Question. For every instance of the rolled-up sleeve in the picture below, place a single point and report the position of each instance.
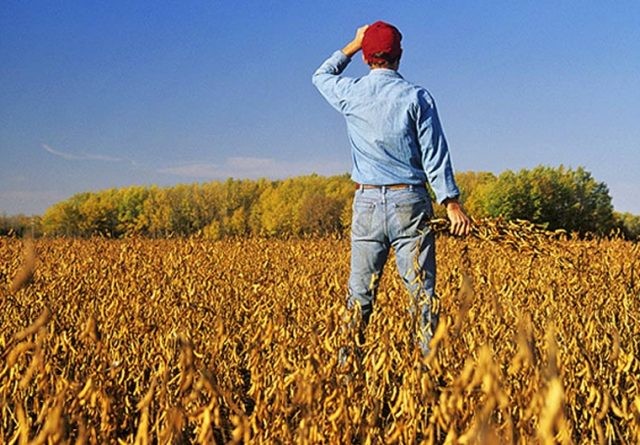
(436, 161)
(328, 81)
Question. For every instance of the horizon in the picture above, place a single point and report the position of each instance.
(222, 180)
(97, 96)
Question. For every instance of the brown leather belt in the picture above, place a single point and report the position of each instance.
(388, 186)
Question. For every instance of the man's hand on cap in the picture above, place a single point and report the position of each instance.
(360, 34)
(356, 44)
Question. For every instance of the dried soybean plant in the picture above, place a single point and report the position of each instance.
(191, 341)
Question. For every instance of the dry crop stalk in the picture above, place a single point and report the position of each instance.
(103, 319)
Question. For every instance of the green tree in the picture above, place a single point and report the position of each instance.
(64, 218)
(238, 199)
(98, 214)
(130, 211)
(555, 197)
(472, 187)
(276, 208)
(156, 213)
(628, 224)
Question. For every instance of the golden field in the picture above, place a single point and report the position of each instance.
(191, 341)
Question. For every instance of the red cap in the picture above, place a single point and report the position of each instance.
(381, 38)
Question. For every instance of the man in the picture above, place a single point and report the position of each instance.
(397, 146)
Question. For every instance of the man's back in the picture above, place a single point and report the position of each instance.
(393, 127)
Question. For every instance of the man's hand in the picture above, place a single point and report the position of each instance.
(356, 44)
(460, 222)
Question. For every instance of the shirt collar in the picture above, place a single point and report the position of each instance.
(386, 72)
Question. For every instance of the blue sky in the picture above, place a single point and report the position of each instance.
(96, 95)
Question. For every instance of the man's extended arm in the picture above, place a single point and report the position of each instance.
(437, 165)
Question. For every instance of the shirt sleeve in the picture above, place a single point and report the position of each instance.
(436, 161)
(328, 81)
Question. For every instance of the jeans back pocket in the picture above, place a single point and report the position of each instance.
(362, 222)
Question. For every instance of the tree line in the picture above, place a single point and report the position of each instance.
(558, 198)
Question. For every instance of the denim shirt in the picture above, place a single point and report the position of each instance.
(393, 128)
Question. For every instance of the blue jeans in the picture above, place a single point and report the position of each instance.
(385, 218)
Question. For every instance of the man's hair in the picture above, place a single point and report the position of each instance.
(383, 60)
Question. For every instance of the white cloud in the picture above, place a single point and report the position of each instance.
(84, 156)
(254, 167)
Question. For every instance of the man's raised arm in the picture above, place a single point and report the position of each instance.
(327, 77)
